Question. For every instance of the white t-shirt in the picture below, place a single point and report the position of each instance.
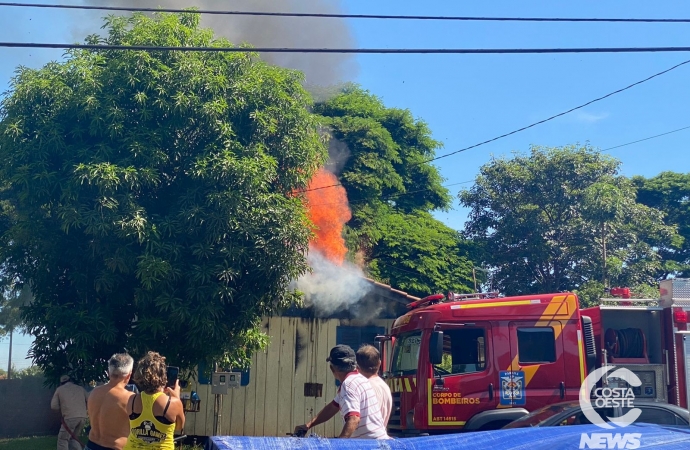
(356, 396)
(384, 397)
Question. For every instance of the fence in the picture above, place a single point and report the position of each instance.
(25, 409)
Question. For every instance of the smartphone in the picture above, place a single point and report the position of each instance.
(172, 374)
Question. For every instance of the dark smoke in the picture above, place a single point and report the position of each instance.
(319, 69)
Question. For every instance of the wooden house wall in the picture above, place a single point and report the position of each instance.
(273, 402)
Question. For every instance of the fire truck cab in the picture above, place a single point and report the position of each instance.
(470, 362)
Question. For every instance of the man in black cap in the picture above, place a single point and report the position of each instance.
(355, 399)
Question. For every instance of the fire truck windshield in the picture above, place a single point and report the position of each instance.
(406, 354)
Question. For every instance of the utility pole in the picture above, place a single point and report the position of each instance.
(474, 276)
(9, 362)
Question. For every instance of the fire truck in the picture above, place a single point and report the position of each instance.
(470, 362)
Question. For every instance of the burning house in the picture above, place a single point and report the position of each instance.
(290, 382)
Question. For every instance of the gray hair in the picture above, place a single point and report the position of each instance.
(120, 364)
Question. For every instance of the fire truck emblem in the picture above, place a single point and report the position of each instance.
(512, 388)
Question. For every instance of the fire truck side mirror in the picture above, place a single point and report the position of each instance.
(436, 347)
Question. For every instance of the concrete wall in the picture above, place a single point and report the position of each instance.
(273, 402)
(25, 409)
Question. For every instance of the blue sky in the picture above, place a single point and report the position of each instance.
(466, 99)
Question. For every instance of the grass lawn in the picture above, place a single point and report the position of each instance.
(34, 443)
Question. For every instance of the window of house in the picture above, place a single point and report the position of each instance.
(464, 351)
(355, 337)
(536, 345)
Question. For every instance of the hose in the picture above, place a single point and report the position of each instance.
(630, 343)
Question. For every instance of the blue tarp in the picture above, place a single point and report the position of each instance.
(548, 438)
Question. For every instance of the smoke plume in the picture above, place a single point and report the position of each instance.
(338, 154)
(332, 287)
(319, 69)
(334, 283)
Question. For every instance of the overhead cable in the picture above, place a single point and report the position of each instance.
(343, 16)
(400, 194)
(408, 51)
(646, 139)
(539, 122)
(618, 91)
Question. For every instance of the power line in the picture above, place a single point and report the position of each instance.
(388, 197)
(344, 16)
(646, 139)
(403, 51)
(539, 123)
(559, 114)
(471, 181)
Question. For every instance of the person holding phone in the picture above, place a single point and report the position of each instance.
(154, 416)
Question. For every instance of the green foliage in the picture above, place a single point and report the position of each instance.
(147, 197)
(27, 372)
(562, 219)
(388, 148)
(391, 191)
(670, 193)
(420, 255)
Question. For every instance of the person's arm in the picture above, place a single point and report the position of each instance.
(351, 423)
(323, 416)
(180, 419)
(176, 403)
(55, 402)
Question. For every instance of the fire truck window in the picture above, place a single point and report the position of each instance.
(536, 345)
(463, 351)
(406, 354)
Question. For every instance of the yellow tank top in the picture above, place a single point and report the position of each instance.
(146, 432)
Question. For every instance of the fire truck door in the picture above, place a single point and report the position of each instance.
(461, 385)
(536, 376)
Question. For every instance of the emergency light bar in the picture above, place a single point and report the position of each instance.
(450, 297)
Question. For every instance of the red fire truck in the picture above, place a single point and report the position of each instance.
(479, 361)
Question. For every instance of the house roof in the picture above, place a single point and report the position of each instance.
(394, 294)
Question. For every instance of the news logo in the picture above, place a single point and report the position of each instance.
(607, 397)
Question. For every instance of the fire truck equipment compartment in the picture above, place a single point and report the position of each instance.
(652, 436)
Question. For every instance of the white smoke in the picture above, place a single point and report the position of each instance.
(263, 31)
(332, 288)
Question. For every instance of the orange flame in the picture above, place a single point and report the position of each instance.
(329, 211)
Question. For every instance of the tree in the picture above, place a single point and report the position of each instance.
(420, 255)
(150, 197)
(561, 219)
(670, 193)
(382, 155)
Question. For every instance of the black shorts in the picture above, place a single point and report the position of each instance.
(91, 446)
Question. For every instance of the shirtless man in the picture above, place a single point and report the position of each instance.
(108, 407)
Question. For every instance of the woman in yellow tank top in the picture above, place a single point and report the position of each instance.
(154, 416)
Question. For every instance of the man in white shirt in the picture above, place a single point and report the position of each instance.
(356, 400)
(368, 364)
